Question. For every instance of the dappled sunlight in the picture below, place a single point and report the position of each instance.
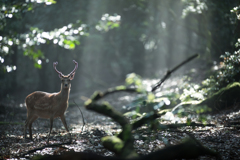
(169, 116)
(126, 98)
(152, 76)
(108, 22)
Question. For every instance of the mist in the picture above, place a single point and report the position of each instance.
(110, 39)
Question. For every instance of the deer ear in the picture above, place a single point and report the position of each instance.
(72, 76)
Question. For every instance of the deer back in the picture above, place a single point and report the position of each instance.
(44, 104)
(40, 100)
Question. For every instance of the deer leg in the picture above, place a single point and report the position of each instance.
(65, 125)
(51, 124)
(30, 125)
(25, 127)
(27, 124)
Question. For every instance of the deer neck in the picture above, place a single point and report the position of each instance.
(64, 94)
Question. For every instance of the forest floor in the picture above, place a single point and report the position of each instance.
(224, 137)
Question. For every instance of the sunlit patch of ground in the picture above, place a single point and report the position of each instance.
(224, 137)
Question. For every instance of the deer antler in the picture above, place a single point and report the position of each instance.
(54, 66)
(76, 66)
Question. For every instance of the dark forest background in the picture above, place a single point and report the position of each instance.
(109, 39)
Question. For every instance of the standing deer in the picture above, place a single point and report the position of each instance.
(49, 105)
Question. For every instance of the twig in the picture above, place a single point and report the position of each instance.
(81, 114)
(47, 146)
(169, 72)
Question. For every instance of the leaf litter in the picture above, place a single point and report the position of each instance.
(224, 137)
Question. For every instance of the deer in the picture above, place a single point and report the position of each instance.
(49, 105)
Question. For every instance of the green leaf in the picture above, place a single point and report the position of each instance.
(151, 97)
(71, 45)
(120, 87)
(114, 25)
(52, 1)
(36, 65)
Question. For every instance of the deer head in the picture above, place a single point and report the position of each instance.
(66, 84)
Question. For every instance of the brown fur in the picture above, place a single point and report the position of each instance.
(49, 105)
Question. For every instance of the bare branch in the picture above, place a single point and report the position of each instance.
(81, 114)
(169, 72)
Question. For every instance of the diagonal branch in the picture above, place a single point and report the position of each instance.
(169, 72)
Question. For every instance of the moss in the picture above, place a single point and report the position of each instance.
(113, 143)
(224, 98)
(88, 102)
(121, 87)
(127, 132)
(107, 106)
(96, 95)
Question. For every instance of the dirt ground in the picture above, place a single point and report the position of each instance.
(224, 137)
